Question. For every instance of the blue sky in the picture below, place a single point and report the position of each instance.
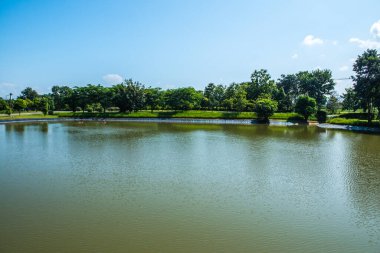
(178, 43)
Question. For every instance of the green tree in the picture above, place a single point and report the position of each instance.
(261, 83)
(306, 106)
(106, 96)
(333, 104)
(240, 101)
(316, 84)
(3, 104)
(97, 95)
(129, 96)
(290, 86)
(264, 108)
(214, 95)
(83, 97)
(153, 98)
(209, 94)
(20, 104)
(183, 98)
(43, 104)
(72, 99)
(29, 93)
(350, 100)
(236, 97)
(60, 96)
(367, 79)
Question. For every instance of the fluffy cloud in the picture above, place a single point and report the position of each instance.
(310, 40)
(371, 44)
(375, 29)
(344, 68)
(113, 79)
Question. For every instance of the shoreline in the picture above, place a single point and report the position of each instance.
(361, 129)
(156, 120)
(272, 122)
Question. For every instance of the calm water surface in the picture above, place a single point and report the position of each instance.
(154, 187)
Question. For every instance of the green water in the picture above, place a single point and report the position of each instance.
(156, 187)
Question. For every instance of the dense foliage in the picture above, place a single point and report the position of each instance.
(265, 108)
(303, 92)
(306, 106)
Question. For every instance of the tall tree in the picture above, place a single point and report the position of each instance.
(29, 93)
(367, 79)
(290, 86)
(350, 100)
(153, 98)
(60, 95)
(333, 103)
(305, 106)
(183, 98)
(129, 96)
(3, 104)
(20, 104)
(316, 84)
(261, 83)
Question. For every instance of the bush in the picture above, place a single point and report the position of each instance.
(306, 106)
(321, 116)
(265, 108)
(356, 115)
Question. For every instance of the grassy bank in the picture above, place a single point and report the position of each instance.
(353, 122)
(27, 116)
(180, 114)
(192, 114)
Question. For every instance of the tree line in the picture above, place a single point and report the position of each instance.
(305, 92)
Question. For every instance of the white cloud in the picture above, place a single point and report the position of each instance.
(344, 68)
(371, 44)
(375, 29)
(295, 56)
(310, 40)
(113, 79)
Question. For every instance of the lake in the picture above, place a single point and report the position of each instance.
(165, 187)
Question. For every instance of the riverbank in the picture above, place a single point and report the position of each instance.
(194, 117)
(363, 129)
(212, 117)
(192, 114)
(155, 120)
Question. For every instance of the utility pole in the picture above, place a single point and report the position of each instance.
(10, 104)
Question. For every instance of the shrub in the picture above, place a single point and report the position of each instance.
(265, 108)
(306, 106)
(321, 116)
(356, 115)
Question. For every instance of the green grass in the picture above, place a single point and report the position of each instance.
(181, 114)
(194, 114)
(353, 122)
(27, 116)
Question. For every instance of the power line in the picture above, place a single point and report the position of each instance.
(343, 78)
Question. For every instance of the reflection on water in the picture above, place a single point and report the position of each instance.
(20, 127)
(143, 187)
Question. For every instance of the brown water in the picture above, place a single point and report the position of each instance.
(154, 187)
